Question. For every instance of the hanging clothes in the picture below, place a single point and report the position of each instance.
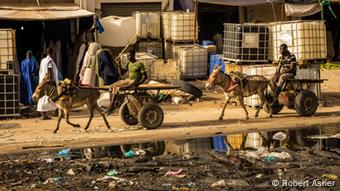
(87, 72)
(80, 58)
(107, 68)
(27, 69)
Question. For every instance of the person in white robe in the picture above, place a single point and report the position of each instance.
(47, 66)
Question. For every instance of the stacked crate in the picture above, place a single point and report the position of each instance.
(246, 49)
(179, 35)
(148, 25)
(9, 77)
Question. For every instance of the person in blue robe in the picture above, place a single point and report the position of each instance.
(28, 69)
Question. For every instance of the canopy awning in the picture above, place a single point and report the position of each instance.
(239, 2)
(26, 12)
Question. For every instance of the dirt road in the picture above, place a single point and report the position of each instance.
(181, 122)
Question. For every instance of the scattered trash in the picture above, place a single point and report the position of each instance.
(230, 183)
(113, 184)
(49, 160)
(65, 153)
(52, 180)
(173, 173)
(259, 176)
(71, 172)
(112, 173)
(112, 177)
(140, 152)
(280, 136)
(262, 152)
(130, 154)
(269, 159)
(96, 188)
(33, 186)
(177, 100)
(220, 183)
(330, 176)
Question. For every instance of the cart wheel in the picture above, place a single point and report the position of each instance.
(275, 108)
(154, 148)
(306, 103)
(151, 116)
(126, 116)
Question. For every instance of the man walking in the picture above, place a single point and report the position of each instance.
(47, 66)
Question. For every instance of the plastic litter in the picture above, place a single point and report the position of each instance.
(174, 173)
(130, 154)
(65, 153)
(280, 136)
(177, 100)
(112, 177)
(330, 176)
(220, 183)
(71, 172)
(230, 183)
(52, 180)
(269, 159)
(113, 184)
(112, 173)
(49, 160)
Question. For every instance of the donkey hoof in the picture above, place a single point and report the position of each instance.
(220, 118)
(247, 118)
(256, 116)
(270, 116)
(55, 132)
(76, 126)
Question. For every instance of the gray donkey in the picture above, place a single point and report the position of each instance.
(250, 85)
(67, 96)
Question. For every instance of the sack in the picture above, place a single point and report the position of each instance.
(89, 77)
(46, 104)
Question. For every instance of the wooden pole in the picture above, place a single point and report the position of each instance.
(283, 13)
(195, 30)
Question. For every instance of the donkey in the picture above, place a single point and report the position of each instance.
(66, 101)
(252, 85)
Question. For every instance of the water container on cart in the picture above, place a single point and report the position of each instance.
(118, 31)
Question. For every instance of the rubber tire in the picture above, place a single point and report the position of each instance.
(188, 88)
(299, 103)
(142, 116)
(124, 112)
(158, 148)
(275, 108)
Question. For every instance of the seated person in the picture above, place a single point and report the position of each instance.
(286, 69)
(137, 76)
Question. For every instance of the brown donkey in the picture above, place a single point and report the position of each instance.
(251, 85)
(67, 96)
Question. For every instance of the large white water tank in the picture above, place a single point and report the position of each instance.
(118, 31)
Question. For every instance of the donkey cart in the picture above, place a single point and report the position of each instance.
(296, 94)
(139, 106)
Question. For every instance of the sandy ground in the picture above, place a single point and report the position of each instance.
(198, 119)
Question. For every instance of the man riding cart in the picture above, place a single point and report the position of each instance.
(285, 90)
(286, 70)
(137, 76)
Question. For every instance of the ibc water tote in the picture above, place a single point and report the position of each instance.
(118, 31)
